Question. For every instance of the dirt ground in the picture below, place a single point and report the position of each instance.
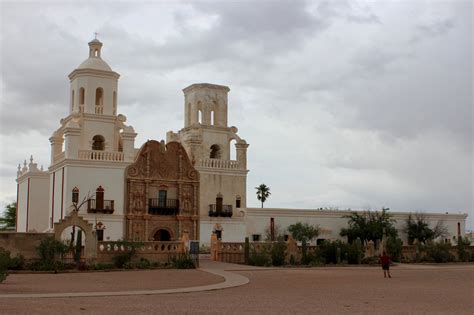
(356, 290)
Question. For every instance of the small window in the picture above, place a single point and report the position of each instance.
(99, 198)
(99, 97)
(237, 202)
(72, 100)
(115, 103)
(256, 237)
(213, 122)
(100, 235)
(215, 152)
(82, 96)
(98, 143)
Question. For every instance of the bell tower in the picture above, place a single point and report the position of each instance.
(218, 153)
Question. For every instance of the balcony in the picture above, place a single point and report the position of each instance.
(218, 163)
(96, 155)
(157, 206)
(220, 210)
(105, 207)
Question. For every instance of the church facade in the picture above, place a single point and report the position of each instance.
(191, 184)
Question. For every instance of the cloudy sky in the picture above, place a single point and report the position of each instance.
(347, 104)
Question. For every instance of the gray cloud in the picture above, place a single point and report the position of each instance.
(354, 103)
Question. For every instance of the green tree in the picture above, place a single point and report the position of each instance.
(8, 221)
(369, 226)
(263, 192)
(417, 228)
(303, 232)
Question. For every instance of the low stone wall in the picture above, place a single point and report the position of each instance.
(153, 251)
(22, 243)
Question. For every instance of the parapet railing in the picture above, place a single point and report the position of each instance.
(218, 163)
(100, 155)
(105, 247)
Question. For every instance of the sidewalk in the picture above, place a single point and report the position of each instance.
(215, 268)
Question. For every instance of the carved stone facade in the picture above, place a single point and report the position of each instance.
(162, 194)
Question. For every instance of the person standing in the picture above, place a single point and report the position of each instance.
(385, 261)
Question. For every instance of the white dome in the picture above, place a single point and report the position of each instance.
(94, 63)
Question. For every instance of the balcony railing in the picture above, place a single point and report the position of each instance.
(106, 207)
(100, 155)
(157, 206)
(220, 211)
(218, 163)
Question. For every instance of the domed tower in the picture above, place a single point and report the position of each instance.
(92, 147)
(94, 85)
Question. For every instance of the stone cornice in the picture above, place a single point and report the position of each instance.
(93, 73)
(27, 175)
(339, 213)
(89, 164)
(221, 171)
(205, 85)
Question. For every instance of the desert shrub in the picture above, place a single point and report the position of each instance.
(292, 260)
(278, 253)
(261, 258)
(43, 265)
(374, 260)
(463, 249)
(181, 261)
(17, 263)
(353, 252)
(438, 252)
(124, 259)
(143, 263)
(4, 262)
(49, 249)
(102, 266)
(332, 252)
(121, 260)
(394, 248)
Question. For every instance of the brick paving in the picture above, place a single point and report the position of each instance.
(356, 290)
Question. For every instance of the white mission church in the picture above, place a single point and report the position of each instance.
(92, 160)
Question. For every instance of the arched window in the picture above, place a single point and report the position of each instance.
(237, 202)
(215, 152)
(99, 97)
(98, 143)
(82, 96)
(200, 116)
(72, 100)
(115, 103)
(233, 150)
(213, 122)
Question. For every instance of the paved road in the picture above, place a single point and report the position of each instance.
(333, 290)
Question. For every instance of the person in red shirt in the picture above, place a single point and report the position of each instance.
(385, 261)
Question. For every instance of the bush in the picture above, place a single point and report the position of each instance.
(181, 261)
(354, 252)
(374, 260)
(4, 262)
(101, 266)
(278, 253)
(259, 258)
(394, 248)
(42, 265)
(463, 249)
(143, 264)
(332, 252)
(121, 260)
(17, 263)
(438, 252)
(49, 249)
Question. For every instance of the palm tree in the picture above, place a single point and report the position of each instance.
(8, 221)
(263, 192)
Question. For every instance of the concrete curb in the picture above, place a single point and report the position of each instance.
(230, 280)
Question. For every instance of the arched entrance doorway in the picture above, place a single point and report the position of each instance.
(162, 236)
